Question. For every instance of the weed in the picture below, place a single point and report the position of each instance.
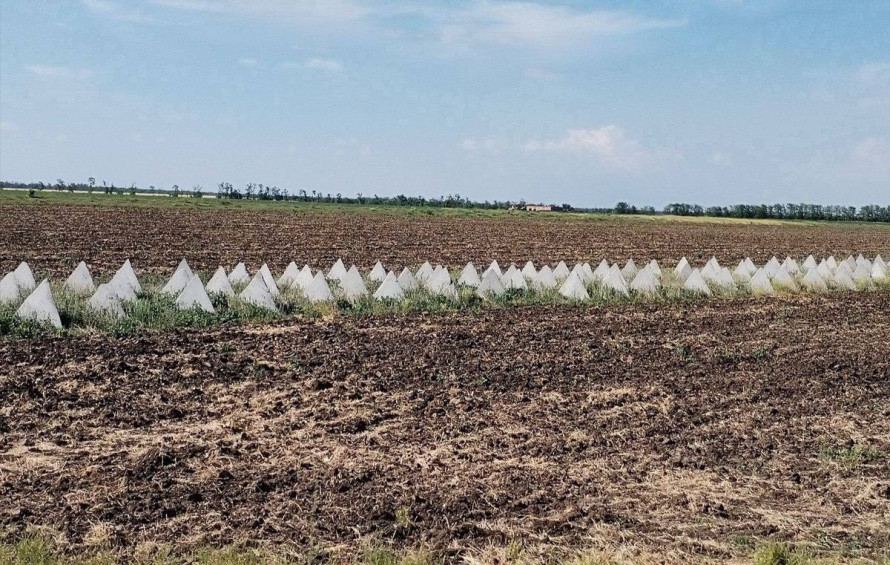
(851, 456)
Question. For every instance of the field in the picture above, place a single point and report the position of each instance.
(676, 432)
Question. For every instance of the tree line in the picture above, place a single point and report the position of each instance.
(260, 191)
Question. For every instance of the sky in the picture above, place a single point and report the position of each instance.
(583, 102)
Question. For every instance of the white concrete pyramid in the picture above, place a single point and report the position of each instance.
(239, 275)
(338, 271)
(845, 267)
(614, 281)
(709, 273)
(880, 260)
(490, 284)
(219, 283)
(269, 280)
(741, 273)
(469, 276)
(861, 274)
(390, 289)
(630, 270)
(178, 281)
(289, 275)
(790, 265)
(318, 290)
(783, 279)
(194, 296)
(683, 270)
(601, 271)
(760, 283)
(695, 283)
(352, 285)
(440, 282)
(378, 273)
(724, 279)
(127, 271)
(810, 263)
(825, 271)
(715, 266)
(184, 266)
(832, 262)
(80, 281)
(655, 268)
(578, 269)
(771, 267)
(257, 293)
(573, 288)
(40, 306)
(25, 277)
(545, 279)
(494, 267)
(645, 282)
(561, 271)
(304, 278)
(588, 273)
(814, 281)
(843, 281)
(106, 301)
(513, 279)
(529, 271)
(878, 271)
(9, 289)
(123, 286)
(407, 281)
(863, 262)
(850, 262)
(424, 272)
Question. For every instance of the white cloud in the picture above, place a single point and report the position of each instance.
(113, 10)
(49, 71)
(329, 65)
(873, 74)
(306, 12)
(543, 25)
(8, 127)
(608, 144)
(489, 144)
(248, 62)
(721, 159)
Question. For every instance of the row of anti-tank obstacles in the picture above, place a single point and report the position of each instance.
(36, 302)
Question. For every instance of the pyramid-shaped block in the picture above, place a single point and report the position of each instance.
(239, 275)
(843, 281)
(614, 281)
(809, 263)
(494, 267)
(784, 280)
(194, 296)
(724, 279)
(878, 271)
(545, 280)
(424, 272)
(25, 277)
(177, 282)
(318, 290)
(289, 275)
(514, 279)
(106, 301)
(123, 286)
(529, 271)
(683, 270)
(831, 262)
(9, 289)
(266, 273)
(338, 271)
(861, 275)
(390, 289)
(219, 283)
(440, 283)
(469, 276)
(561, 271)
(814, 281)
(80, 281)
(127, 271)
(378, 273)
(760, 283)
(257, 293)
(407, 281)
(39, 306)
(490, 284)
(601, 271)
(573, 288)
(644, 282)
(184, 266)
(696, 283)
(630, 270)
(304, 278)
(655, 268)
(741, 273)
(352, 285)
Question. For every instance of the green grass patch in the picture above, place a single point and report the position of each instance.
(851, 456)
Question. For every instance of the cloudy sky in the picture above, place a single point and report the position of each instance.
(586, 102)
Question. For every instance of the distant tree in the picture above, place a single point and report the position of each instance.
(197, 191)
(622, 208)
(175, 192)
(92, 182)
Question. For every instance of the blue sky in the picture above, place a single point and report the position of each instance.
(711, 101)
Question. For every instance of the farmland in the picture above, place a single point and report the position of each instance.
(667, 433)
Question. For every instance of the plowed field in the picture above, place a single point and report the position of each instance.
(681, 429)
(54, 238)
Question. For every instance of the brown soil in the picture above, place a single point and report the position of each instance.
(675, 428)
(54, 238)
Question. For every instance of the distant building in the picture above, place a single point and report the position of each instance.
(539, 207)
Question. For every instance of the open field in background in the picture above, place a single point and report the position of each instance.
(55, 233)
(675, 430)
